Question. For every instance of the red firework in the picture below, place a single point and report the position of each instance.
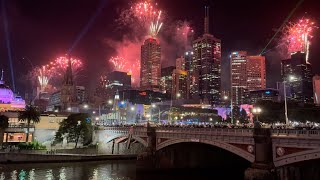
(61, 64)
(298, 35)
(132, 68)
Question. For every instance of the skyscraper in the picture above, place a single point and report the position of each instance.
(167, 80)
(180, 80)
(206, 71)
(248, 73)
(316, 89)
(150, 72)
(301, 82)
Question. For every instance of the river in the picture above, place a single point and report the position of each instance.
(106, 170)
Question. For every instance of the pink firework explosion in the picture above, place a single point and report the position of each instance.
(149, 16)
(297, 36)
(123, 65)
(61, 64)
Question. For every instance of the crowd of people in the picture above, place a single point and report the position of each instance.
(297, 126)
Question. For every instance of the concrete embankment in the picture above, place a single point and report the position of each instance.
(6, 158)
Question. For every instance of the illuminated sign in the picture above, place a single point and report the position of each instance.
(143, 93)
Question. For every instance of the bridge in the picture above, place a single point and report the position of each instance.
(276, 146)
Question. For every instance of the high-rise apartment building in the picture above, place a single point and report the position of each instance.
(316, 90)
(248, 73)
(297, 72)
(206, 68)
(150, 73)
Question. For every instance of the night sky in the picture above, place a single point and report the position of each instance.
(41, 30)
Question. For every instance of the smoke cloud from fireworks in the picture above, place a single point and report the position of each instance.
(140, 21)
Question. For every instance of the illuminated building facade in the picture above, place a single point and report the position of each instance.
(8, 101)
(167, 80)
(268, 94)
(301, 72)
(81, 94)
(117, 81)
(316, 89)
(206, 67)
(180, 84)
(68, 90)
(180, 88)
(150, 73)
(248, 73)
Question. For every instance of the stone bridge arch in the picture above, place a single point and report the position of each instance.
(296, 157)
(235, 150)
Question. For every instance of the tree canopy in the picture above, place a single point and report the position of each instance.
(76, 128)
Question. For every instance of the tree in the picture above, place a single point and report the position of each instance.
(30, 113)
(4, 123)
(77, 127)
(235, 113)
(243, 116)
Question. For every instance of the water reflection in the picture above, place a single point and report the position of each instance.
(111, 170)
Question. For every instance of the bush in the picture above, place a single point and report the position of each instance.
(34, 145)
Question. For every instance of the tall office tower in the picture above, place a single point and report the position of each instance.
(166, 80)
(181, 63)
(248, 73)
(180, 88)
(188, 60)
(68, 96)
(256, 72)
(316, 90)
(238, 76)
(297, 72)
(206, 71)
(150, 72)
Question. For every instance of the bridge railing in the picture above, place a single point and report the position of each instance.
(206, 131)
(295, 133)
(139, 131)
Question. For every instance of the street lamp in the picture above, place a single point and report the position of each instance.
(86, 106)
(225, 97)
(178, 95)
(110, 101)
(154, 106)
(257, 111)
(132, 108)
(291, 78)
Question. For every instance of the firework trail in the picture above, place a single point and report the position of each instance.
(42, 75)
(297, 36)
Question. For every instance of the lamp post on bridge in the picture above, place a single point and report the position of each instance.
(291, 79)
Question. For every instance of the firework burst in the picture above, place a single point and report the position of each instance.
(132, 68)
(297, 36)
(61, 64)
(42, 75)
(149, 16)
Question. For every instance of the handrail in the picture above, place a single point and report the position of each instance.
(217, 131)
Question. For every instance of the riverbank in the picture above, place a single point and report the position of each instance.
(16, 158)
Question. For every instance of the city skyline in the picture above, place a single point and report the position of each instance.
(18, 11)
